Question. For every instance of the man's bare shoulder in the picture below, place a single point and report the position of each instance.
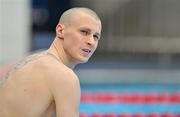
(29, 60)
(39, 59)
(54, 66)
(57, 72)
(54, 69)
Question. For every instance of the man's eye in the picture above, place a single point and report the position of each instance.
(96, 37)
(84, 32)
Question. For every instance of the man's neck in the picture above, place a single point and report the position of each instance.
(57, 50)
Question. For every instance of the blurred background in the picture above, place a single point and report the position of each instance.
(136, 68)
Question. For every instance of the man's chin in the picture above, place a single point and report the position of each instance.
(83, 60)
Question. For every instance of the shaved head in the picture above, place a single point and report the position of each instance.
(67, 16)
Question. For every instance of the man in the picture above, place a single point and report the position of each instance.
(44, 84)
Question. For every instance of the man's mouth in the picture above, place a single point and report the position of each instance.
(87, 50)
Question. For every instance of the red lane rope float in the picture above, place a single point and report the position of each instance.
(130, 115)
(132, 97)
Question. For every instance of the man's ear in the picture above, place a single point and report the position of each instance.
(59, 31)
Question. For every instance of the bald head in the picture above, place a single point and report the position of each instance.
(68, 15)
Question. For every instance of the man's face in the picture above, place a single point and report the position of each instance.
(81, 37)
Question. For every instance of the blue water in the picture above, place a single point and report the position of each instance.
(130, 87)
(118, 108)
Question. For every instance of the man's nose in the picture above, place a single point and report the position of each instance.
(91, 40)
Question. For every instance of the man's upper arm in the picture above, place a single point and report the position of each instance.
(65, 89)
